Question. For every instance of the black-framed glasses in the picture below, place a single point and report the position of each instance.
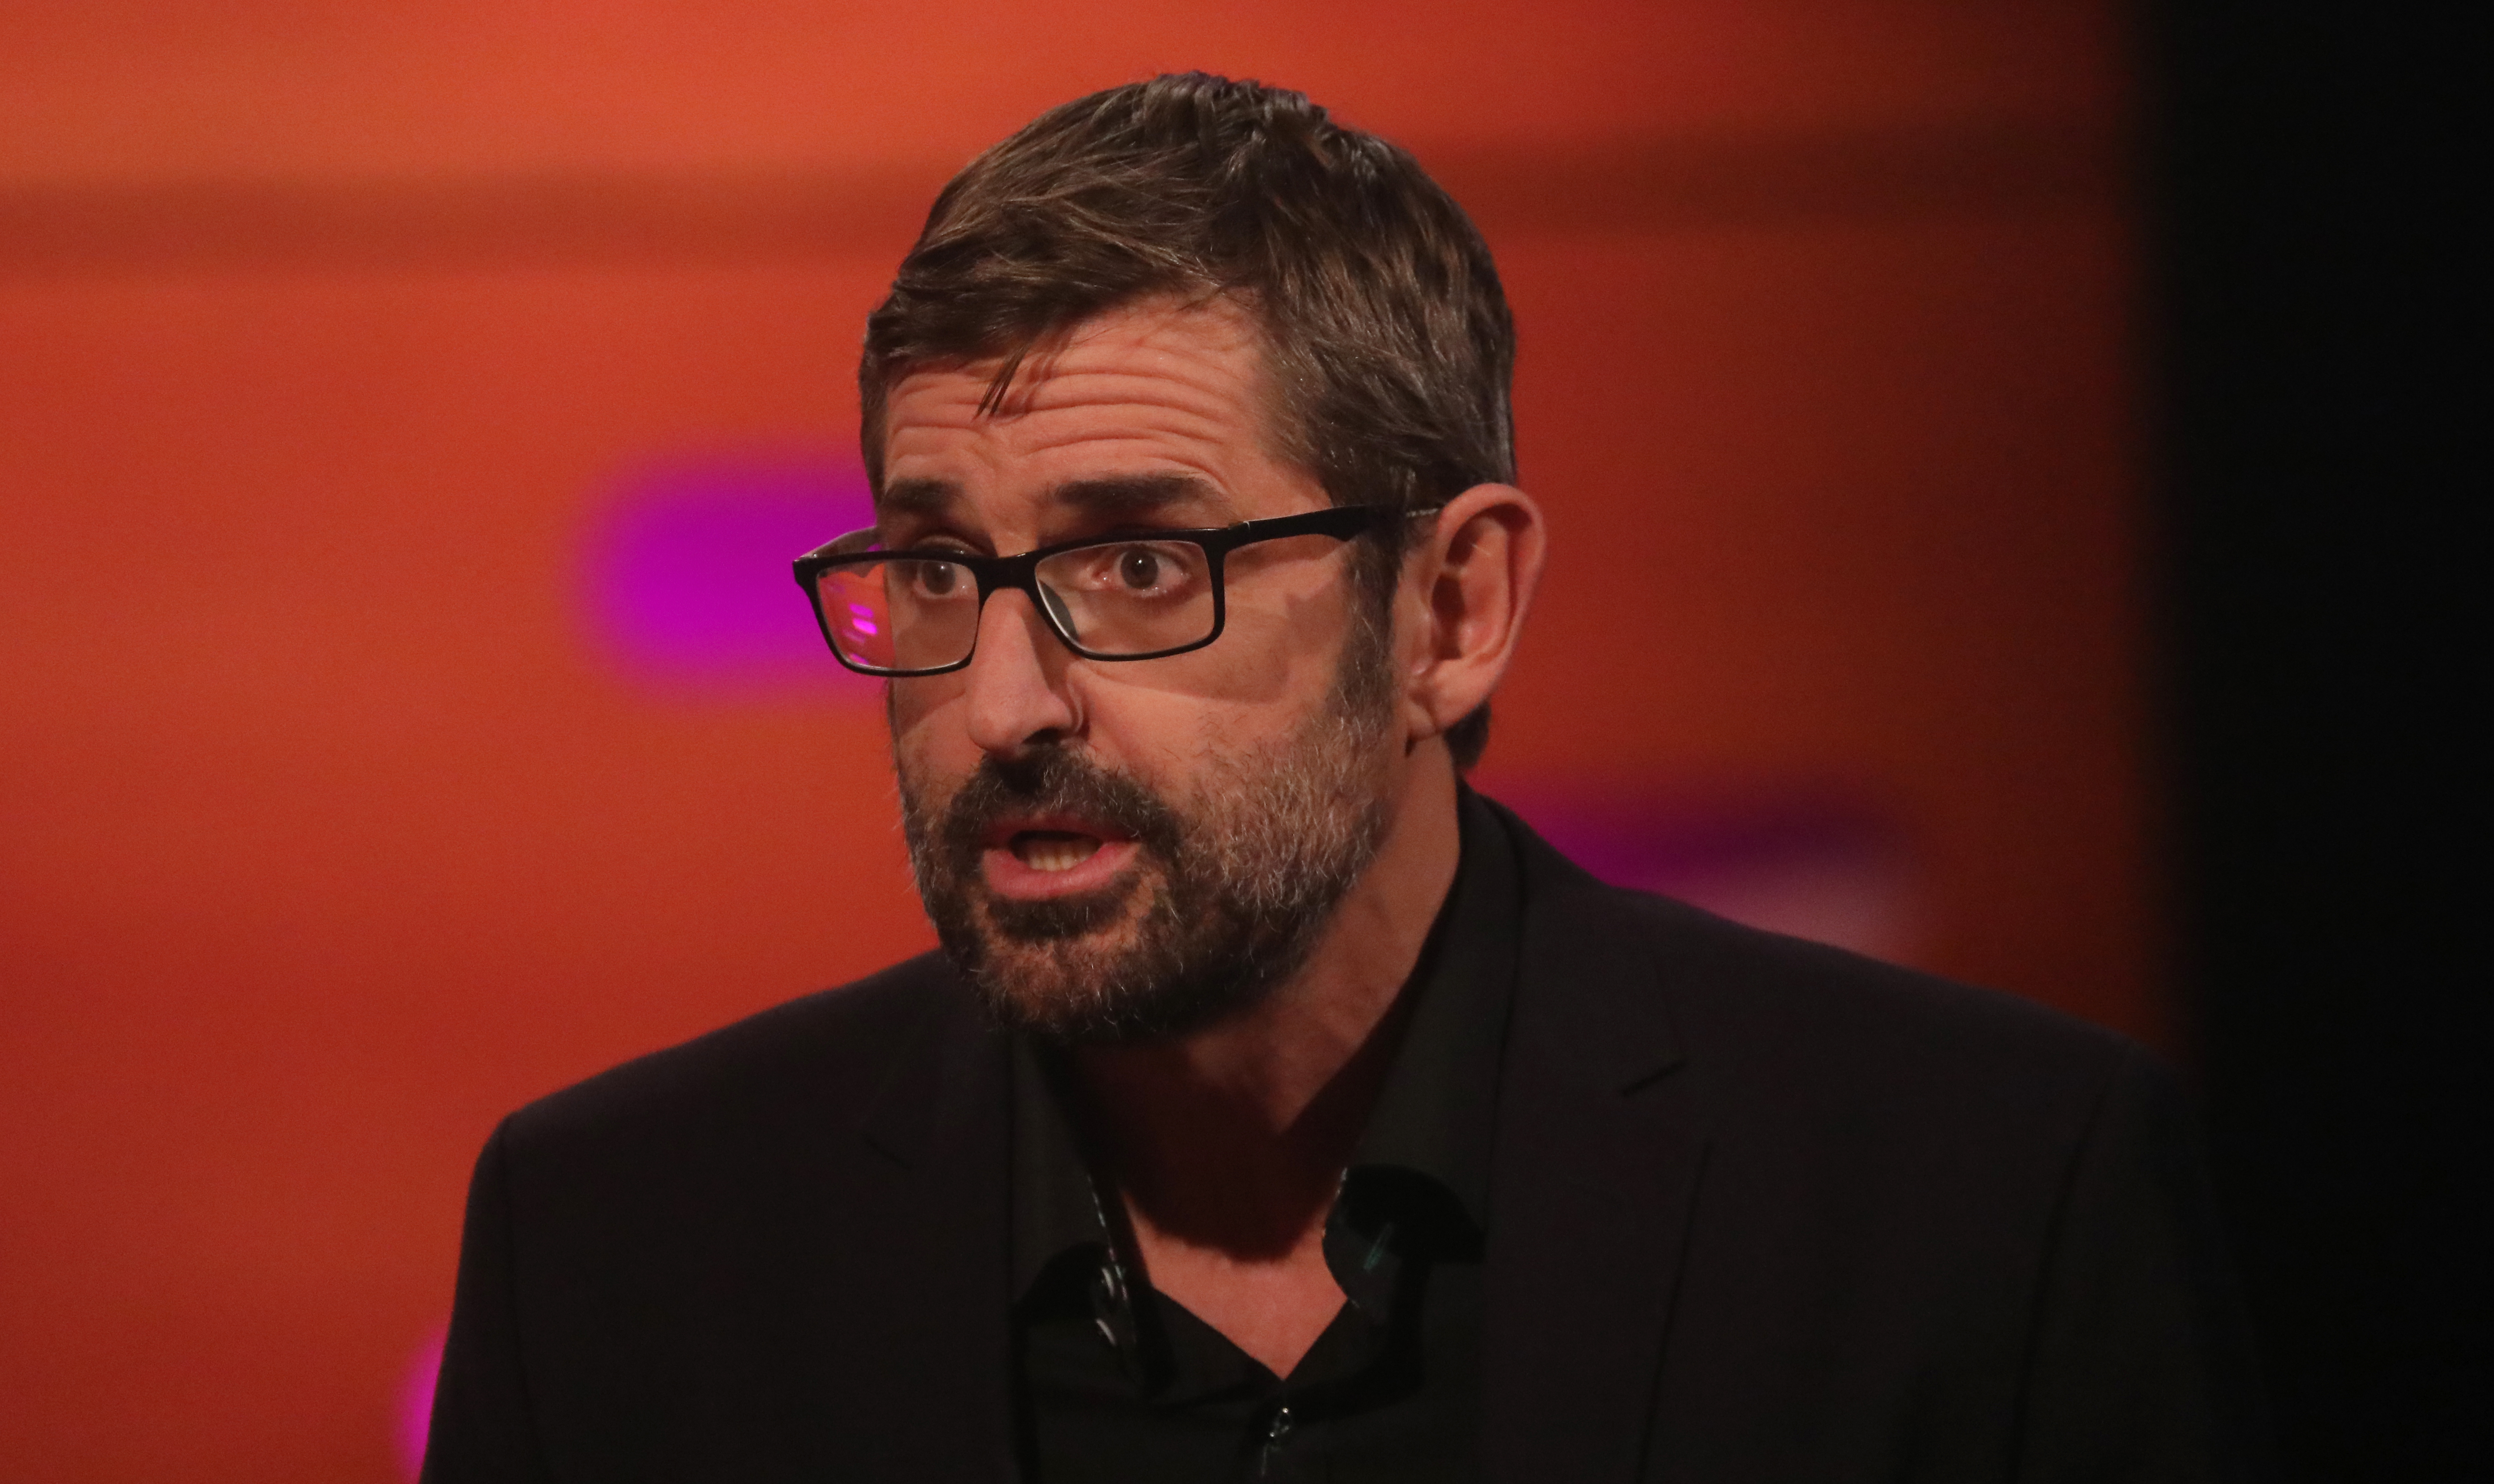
(1142, 596)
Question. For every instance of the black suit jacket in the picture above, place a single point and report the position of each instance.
(1762, 1210)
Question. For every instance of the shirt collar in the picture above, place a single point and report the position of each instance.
(1438, 1108)
(1055, 1206)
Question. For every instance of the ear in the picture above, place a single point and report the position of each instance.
(1464, 596)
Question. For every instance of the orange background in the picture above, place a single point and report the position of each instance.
(326, 835)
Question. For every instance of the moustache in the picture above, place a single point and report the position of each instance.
(1053, 780)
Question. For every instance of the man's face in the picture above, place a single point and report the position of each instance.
(1120, 852)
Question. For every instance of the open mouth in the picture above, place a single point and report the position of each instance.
(1053, 855)
(1053, 850)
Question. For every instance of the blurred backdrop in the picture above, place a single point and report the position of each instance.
(407, 410)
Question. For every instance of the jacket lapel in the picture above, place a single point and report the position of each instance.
(941, 1405)
(1593, 1179)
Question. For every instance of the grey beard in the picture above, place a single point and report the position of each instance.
(1229, 897)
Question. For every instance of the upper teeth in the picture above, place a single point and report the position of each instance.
(1055, 851)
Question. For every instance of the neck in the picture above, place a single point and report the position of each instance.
(1240, 1125)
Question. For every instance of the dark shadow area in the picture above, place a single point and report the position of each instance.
(2319, 270)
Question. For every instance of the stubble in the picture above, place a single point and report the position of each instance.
(1229, 893)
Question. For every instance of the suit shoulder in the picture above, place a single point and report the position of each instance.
(830, 1050)
(1899, 1091)
(1729, 975)
(1870, 1061)
(1801, 1034)
(1732, 985)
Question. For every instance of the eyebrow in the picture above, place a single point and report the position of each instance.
(915, 496)
(1138, 494)
(1106, 494)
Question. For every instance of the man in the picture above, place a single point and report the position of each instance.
(1277, 1107)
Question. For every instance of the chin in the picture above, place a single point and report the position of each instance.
(1119, 984)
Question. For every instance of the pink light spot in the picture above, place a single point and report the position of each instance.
(1802, 862)
(685, 582)
(416, 1402)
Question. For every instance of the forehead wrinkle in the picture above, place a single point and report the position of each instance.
(1205, 389)
(1192, 446)
(1213, 351)
(1104, 406)
(1146, 388)
(1100, 406)
(953, 390)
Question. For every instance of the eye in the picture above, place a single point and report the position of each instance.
(1139, 567)
(938, 579)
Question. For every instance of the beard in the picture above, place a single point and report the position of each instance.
(1226, 896)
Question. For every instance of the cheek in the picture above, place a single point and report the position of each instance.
(908, 704)
(1246, 698)
(927, 730)
(1211, 748)
(1285, 630)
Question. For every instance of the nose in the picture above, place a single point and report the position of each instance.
(1016, 680)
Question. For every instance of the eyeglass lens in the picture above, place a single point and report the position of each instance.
(1117, 598)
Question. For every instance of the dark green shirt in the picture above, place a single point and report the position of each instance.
(1116, 1382)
